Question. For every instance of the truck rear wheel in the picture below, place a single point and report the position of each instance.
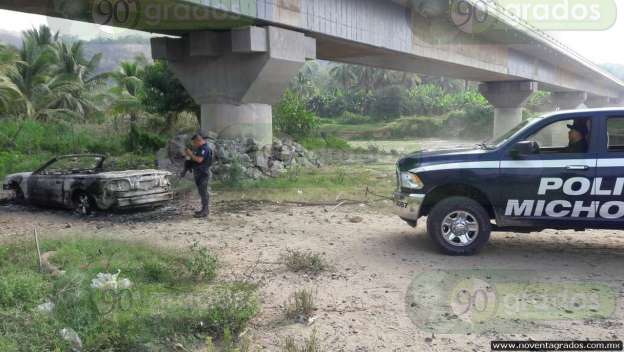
(459, 226)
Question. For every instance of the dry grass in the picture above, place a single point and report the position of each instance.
(311, 344)
(300, 261)
(301, 305)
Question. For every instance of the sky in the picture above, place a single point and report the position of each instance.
(603, 46)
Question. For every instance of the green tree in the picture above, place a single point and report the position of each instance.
(292, 117)
(127, 91)
(345, 75)
(164, 94)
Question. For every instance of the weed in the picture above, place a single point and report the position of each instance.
(311, 344)
(202, 265)
(300, 305)
(232, 307)
(298, 261)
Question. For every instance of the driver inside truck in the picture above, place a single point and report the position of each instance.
(577, 137)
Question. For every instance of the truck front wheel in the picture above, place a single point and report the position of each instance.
(459, 226)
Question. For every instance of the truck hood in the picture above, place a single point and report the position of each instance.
(440, 156)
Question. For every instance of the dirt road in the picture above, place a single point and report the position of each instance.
(381, 294)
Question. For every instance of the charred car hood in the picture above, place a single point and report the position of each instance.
(130, 173)
(440, 156)
(17, 177)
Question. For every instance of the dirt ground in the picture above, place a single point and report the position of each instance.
(379, 294)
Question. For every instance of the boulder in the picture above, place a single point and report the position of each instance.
(277, 169)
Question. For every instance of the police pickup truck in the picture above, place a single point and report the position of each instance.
(564, 170)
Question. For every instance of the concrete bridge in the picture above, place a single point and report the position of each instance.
(236, 57)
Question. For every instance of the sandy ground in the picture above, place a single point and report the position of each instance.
(381, 294)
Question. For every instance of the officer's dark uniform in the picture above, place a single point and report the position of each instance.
(201, 171)
(579, 146)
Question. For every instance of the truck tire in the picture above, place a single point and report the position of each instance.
(459, 226)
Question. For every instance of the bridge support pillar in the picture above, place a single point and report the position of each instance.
(569, 100)
(237, 75)
(617, 102)
(508, 99)
(598, 102)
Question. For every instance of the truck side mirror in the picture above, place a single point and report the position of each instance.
(524, 148)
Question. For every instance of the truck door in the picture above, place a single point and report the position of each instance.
(610, 173)
(550, 187)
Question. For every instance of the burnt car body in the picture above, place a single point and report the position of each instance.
(79, 182)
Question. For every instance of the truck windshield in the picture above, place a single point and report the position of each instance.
(499, 141)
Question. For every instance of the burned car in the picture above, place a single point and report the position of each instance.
(80, 182)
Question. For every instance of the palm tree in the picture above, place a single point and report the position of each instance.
(10, 95)
(127, 90)
(36, 64)
(344, 74)
(77, 83)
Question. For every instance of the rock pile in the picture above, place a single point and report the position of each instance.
(241, 158)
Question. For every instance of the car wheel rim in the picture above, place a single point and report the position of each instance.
(460, 228)
(83, 204)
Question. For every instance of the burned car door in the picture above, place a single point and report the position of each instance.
(46, 189)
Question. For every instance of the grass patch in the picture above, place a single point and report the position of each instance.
(300, 261)
(172, 299)
(325, 184)
(404, 127)
(311, 344)
(328, 142)
(301, 305)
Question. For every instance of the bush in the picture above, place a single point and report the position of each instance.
(140, 141)
(473, 122)
(298, 261)
(292, 117)
(234, 305)
(202, 265)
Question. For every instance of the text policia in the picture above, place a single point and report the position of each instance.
(574, 187)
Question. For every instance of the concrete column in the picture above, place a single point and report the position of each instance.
(233, 121)
(598, 102)
(616, 102)
(569, 100)
(508, 99)
(236, 75)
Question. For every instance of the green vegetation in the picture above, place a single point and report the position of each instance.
(327, 184)
(171, 298)
(293, 118)
(53, 101)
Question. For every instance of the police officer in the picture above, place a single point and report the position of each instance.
(201, 159)
(578, 137)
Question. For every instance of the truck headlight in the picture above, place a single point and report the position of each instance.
(411, 181)
(119, 186)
